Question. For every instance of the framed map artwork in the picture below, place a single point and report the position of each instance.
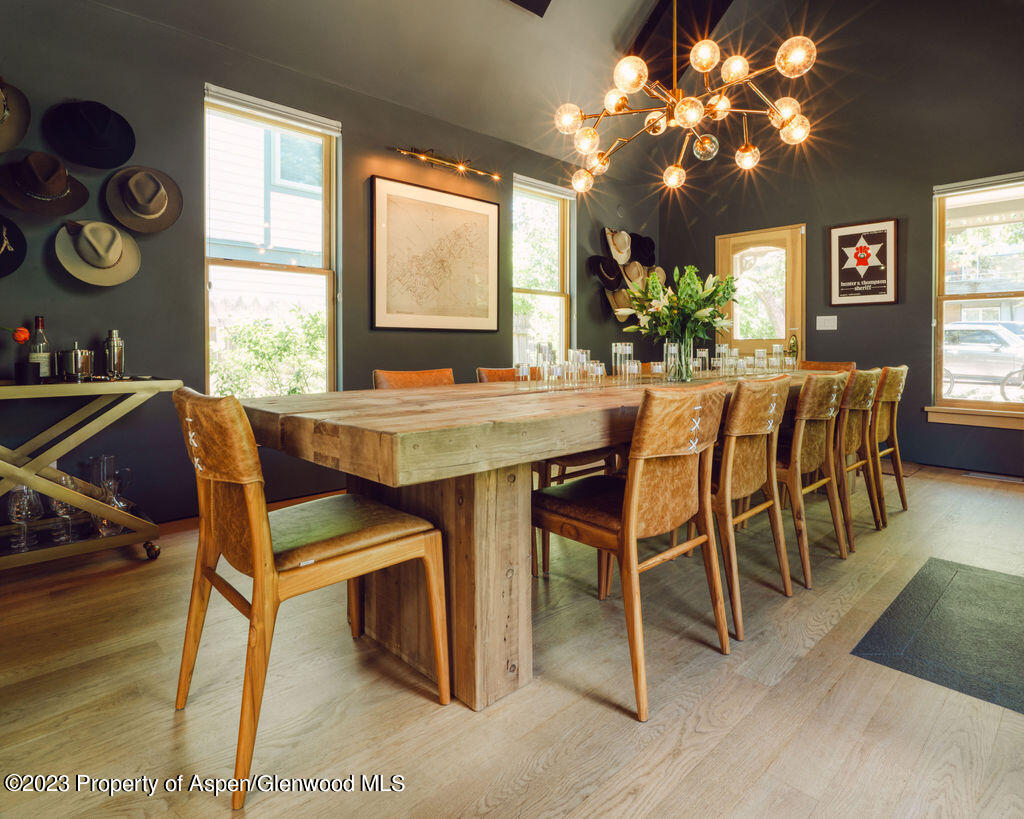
(435, 259)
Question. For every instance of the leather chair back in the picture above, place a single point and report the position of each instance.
(827, 365)
(229, 479)
(674, 431)
(755, 413)
(816, 411)
(890, 391)
(488, 374)
(393, 379)
(855, 409)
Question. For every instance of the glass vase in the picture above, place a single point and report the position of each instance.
(680, 369)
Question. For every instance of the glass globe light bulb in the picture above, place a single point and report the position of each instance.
(674, 176)
(735, 68)
(597, 163)
(656, 122)
(689, 111)
(582, 180)
(615, 101)
(787, 108)
(795, 57)
(705, 148)
(704, 56)
(630, 75)
(720, 106)
(568, 118)
(586, 140)
(747, 156)
(796, 130)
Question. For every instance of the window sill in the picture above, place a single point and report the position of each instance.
(998, 419)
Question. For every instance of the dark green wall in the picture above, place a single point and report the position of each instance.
(904, 96)
(55, 50)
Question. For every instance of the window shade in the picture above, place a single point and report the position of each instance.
(271, 110)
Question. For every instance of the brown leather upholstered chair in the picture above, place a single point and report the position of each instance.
(391, 379)
(807, 444)
(883, 422)
(749, 441)
(488, 374)
(853, 429)
(848, 366)
(286, 552)
(668, 483)
(581, 463)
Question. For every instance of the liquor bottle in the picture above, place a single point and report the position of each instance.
(39, 349)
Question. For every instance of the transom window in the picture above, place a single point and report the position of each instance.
(269, 254)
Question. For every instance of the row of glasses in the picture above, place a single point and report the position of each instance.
(25, 505)
(622, 351)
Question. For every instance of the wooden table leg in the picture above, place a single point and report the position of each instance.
(485, 522)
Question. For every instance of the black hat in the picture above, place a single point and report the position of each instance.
(89, 133)
(12, 247)
(607, 270)
(642, 248)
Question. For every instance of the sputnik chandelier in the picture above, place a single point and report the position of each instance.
(692, 113)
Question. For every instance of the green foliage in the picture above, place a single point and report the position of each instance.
(265, 357)
(687, 306)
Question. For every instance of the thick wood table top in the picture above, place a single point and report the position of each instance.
(409, 436)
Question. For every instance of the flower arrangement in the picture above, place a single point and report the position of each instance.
(19, 334)
(681, 312)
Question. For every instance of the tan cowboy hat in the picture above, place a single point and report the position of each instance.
(617, 299)
(41, 184)
(15, 114)
(97, 253)
(618, 244)
(635, 273)
(659, 273)
(143, 199)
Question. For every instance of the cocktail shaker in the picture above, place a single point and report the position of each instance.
(113, 347)
(75, 364)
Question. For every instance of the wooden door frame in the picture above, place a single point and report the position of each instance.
(796, 296)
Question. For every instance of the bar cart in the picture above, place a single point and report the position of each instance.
(28, 464)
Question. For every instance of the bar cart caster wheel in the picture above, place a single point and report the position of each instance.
(152, 550)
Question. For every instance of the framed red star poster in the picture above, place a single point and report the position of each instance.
(863, 263)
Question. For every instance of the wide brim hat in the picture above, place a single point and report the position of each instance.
(642, 248)
(15, 113)
(607, 270)
(635, 273)
(659, 273)
(126, 265)
(12, 247)
(89, 133)
(618, 244)
(618, 299)
(136, 189)
(23, 184)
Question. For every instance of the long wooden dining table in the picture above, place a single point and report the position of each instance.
(459, 456)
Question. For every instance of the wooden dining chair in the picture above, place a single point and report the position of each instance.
(393, 379)
(806, 444)
(847, 366)
(883, 434)
(287, 552)
(853, 427)
(668, 483)
(554, 470)
(748, 453)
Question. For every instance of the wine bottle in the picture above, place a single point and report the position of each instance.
(39, 349)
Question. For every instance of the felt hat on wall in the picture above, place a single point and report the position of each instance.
(15, 114)
(617, 299)
(12, 247)
(143, 199)
(97, 253)
(642, 248)
(607, 270)
(89, 133)
(618, 244)
(659, 273)
(635, 273)
(41, 184)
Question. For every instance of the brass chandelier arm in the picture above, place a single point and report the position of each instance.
(742, 81)
(624, 113)
(771, 105)
(623, 141)
(686, 144)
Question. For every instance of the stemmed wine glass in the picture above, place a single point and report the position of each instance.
(65, 510)
(23, 505)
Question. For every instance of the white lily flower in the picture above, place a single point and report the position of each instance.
(624, 311)
(704, 313)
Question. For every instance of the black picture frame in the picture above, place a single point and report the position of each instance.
(863, 272)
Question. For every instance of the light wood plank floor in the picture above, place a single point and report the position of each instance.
(790, 724)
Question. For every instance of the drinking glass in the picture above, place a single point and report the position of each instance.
(672, 358)
(778, 350)
(702, 357)
(789, 363)
(760, 360)
(695, 366)
(23, 505)
(774, 364)
(742, 367)
(631, 369)
(657, 370)
(595, 373)
(65, 510)
(716, 366)
(521, 376)
(721, 350)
